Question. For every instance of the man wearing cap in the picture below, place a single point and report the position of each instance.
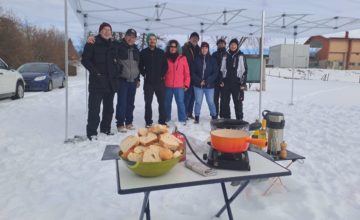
(218, 55)
(128, 57)
(191, 50)
(205, 72)
(153, 66)
(233, 80)
(99, 59)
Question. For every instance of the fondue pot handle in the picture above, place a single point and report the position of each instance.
(258, 142)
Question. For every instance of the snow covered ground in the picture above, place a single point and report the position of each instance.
(43, 178)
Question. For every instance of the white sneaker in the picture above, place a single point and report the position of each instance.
(121, 129)
(130, 127)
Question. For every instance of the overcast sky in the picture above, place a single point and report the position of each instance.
(47, 13)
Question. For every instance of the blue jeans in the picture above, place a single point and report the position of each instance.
(209, 95)
(125, 102)
(179, 98)
(189, 100)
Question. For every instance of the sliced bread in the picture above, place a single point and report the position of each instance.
(136, 157)
(165, 154)
(169, 141)
(139, 149)
(158, 129)
(142, 132)
(149, 139)
(128, 143)
(151, 155)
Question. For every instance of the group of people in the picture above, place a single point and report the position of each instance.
(187, 74)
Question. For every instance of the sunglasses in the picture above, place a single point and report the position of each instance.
(173, 46)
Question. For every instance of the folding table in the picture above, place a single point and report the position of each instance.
(180, 176)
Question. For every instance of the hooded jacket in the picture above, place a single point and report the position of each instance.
(204, 68)
(178, 73)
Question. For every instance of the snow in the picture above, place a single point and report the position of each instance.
(43, 178)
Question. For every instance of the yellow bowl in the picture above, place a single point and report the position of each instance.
(151, 169)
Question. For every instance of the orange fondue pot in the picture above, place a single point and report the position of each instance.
(233, 141)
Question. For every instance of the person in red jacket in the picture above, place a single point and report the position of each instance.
(177, 81)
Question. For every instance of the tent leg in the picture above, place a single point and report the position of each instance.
(293, 68)
(86, 71)
(262, 74)
(66, 72)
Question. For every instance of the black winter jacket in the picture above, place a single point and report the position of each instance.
(204, 68)
(100, 60)
(190, 52)
(218, 55)
(153, 66)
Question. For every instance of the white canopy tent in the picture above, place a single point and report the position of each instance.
(213, 18)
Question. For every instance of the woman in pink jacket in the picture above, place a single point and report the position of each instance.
(177, 81)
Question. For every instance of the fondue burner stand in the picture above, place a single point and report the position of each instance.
(227, 161)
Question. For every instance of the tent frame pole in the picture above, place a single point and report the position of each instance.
(293, 67)
(86, 71)
(66, 71)
(261, 62)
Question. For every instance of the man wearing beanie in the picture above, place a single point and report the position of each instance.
(190, 50)
(153, 66)
(205, 72)
(233, 80)
(218, 55)
(129, 57)
(99, 59)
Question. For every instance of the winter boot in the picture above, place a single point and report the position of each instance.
(196, 120)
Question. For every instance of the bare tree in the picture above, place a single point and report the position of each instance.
(21, 43)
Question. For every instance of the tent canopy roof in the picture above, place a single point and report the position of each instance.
(220, 18)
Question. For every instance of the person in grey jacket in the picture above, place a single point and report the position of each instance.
(128, 58)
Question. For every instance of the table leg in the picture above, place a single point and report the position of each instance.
(145, 207)
(236, 193)
(147, 210)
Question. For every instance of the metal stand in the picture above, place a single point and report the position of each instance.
(145, 207)
(277, 179)
(229, 201)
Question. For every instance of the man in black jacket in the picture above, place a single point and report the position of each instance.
(218, 55)
(233, 80)
(98, 58)
(191, 50)
(153, 66)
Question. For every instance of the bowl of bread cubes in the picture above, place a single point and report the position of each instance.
(152, 151)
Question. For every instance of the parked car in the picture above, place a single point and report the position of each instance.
(42, 76)
(11, 82)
